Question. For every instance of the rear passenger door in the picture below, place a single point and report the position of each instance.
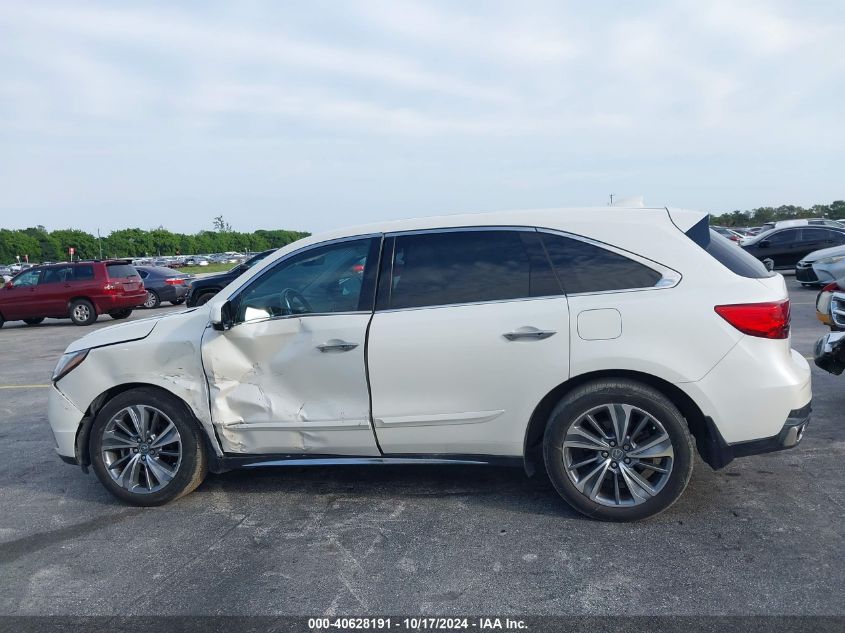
(470, 331)
(53, 290)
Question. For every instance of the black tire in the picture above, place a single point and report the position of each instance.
(178, 302)
(82, 312)
(120, 314)
(2, 320)
(588, 397)
(152, 301)
(33, 321)
(205, 297)
(192, 467)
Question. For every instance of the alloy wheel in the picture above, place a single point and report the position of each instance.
(81, 312)
(618, 455)
(150, 301)
(141, 449)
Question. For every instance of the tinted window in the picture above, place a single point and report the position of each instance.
(782, 237)
(121, 271)
(83, 272)
(583, 267)
(143, 274)
(458, 267)
(727, 253)
(317, 281)
(57, 275)
(815, 235)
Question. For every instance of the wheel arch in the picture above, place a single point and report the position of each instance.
(83, 433)
(533, 442)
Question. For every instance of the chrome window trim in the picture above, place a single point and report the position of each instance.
(669, 277)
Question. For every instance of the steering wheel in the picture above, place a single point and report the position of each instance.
(289, 295)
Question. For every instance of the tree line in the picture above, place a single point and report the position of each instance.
(41, 245)
(755, 217)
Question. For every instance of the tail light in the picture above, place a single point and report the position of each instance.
(832, 287)
(766, 320)
(111, 288)
(174, 281)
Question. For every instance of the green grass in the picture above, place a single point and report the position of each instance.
(211, 268)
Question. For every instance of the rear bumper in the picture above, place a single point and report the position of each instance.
(120, 302)
(718, 453)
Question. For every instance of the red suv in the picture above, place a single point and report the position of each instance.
(79, 291)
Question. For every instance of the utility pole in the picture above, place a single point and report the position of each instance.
(100, 242)
(611, 200)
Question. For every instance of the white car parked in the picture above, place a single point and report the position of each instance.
(592, 343)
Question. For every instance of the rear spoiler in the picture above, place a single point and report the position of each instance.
(686, 219)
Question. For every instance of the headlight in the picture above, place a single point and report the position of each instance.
(831, 260)
(67, 363)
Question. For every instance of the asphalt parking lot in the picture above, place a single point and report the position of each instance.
(762, 536)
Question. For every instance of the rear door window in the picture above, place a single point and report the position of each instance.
(585, 267)
(454, 267)
(58, 274)
(121, 271)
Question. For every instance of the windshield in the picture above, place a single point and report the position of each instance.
(250, 262)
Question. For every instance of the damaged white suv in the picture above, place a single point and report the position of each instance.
(592, 343)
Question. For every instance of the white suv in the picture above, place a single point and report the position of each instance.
(592, 343)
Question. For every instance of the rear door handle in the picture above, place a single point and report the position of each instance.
(529, 333)
(336, 345)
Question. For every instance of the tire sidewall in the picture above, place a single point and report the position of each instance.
(92, 312)
(571, 408)
(193, 455)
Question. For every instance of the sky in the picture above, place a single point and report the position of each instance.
(312, 115)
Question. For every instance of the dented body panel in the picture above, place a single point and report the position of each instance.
(273, 390)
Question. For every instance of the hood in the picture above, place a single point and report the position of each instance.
(825, 252)
(122, 333)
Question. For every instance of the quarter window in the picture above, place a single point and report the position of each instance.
(452, 267)
(584, 267)
(326, 279)
(84, 272)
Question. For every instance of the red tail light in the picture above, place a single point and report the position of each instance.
(111, 289)
(174, 281)
(833, 287)
(766, 320)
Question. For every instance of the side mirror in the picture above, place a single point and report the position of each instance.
(769, 263)
(764, 244)
(222, 315)
(9, 285)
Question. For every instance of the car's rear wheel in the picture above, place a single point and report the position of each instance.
(152, 300)
(120, 314)
(618, 450)
(205, 298)
(82, 312)
(2, 320)
(33, 321)
(178, 302)
(146, 449)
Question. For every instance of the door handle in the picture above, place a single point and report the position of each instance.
(529, 333)
(336, 345)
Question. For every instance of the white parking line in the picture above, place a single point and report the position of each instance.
(24, 386)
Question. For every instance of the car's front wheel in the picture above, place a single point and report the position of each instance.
(146, 449)
(120, 314)
(618, 450)
(35, 321)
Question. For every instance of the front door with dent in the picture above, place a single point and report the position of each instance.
(289, 376)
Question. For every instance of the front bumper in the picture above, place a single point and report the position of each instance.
(805, 273)
(65, 419)
(830, 353)
(718, 453)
